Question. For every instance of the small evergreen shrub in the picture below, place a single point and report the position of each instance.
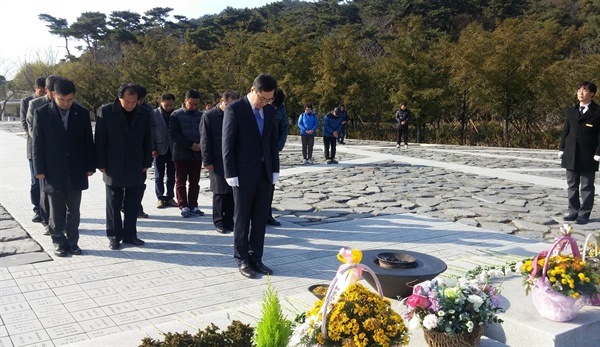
(236, 335)
(273, 329)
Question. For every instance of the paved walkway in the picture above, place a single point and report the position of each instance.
(460, 204)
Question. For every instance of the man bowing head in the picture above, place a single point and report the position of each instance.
(251, 163)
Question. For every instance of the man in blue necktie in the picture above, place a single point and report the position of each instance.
(251, 163)
(580, 152)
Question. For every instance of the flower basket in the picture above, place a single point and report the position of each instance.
(595, 259)
(440, 339)
(549, 303)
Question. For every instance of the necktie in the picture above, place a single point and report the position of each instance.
(259, 120)
(581, 108)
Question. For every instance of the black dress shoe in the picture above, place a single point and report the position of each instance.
(246, 270)
(221, 230)
(135, 241)
(273, 222)
(37, 218)
(75, 250)
(261, 268)
(571, 217)
(113, 243)
(582, 220)
(60, 251)
(142, 214)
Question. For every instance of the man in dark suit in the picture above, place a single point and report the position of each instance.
(163, 159)
(34, 192)
(580, 152)
(251, 162)
(211, 130)
(123, 155)
(63, 157)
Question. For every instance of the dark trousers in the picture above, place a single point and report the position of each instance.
(187, 171)
(402, 134)
(250, 215)
(329, 142)
(129, 198)
(162, 163)
(44, 204)
(222, 210)
(585, 180)
(34, 191)
(64, 217)
(307, 146)
(342, 135)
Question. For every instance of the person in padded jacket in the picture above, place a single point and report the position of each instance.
(332, 126)
(308, 124)
(184, 128)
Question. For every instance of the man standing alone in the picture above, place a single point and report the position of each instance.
(403, 116)
(63, 157)
(580, 152)
(123, 155)
(251, 160)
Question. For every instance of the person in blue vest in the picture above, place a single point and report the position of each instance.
(308, 124)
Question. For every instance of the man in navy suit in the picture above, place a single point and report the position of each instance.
(63, 157)
(251, 162)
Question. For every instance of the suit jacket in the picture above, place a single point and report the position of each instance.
(243, 147)
(121, 149)
(63, 156)
(211, 129)
(162, 140)
(33, 104)
(580, 139)
(24, 108)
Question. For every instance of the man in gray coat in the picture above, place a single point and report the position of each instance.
(123, 155)
(163, 159)
(34, 192)
(33, 105)
(211, 128)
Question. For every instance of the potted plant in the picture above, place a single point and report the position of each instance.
(452, 312)
(350, 315)
(560, 284)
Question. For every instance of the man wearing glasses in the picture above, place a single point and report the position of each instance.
(251, 162)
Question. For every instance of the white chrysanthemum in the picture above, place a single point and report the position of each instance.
(430, 322)
(470, 326)
(476, 300)
(518, 266)
(414, 323)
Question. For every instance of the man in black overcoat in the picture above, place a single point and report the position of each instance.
(63, 157)
(251, 161)
(123, 155)
(580, 152)
(211, 128)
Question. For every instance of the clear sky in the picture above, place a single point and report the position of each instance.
(23, 37)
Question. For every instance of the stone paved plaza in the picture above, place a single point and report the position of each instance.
(464, 205)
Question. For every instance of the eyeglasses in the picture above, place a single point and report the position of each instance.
(263, 99)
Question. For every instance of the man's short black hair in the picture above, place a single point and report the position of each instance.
(50, 80)
(308, 105)
(64, 87)
(278, 98)
(404, 104)
(230, 94)
(40, 82)
(589, 86)
(264, 83)
(167, 96)
(128, 88)
(142, 92)
(192, 94)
